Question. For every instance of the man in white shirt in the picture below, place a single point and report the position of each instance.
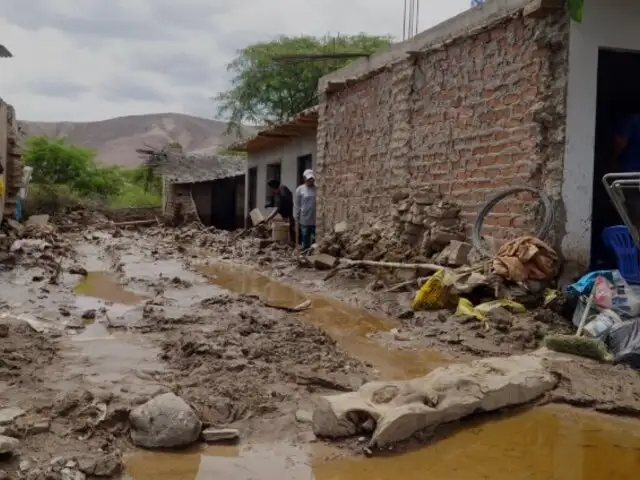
(305, 209)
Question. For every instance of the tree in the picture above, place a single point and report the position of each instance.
(265, 92)
(58, 163)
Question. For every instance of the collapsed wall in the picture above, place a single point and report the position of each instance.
(466, 116)
(11, 140)
(420, 225)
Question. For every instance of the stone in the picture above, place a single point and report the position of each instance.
(447, 394)
(341, 227)
(8, 415)
(322, 261)
(455, 254)
(71, 474)
(304, 416)
(444, 237)
(78, 270)
(213, 435)
(8, 445)
(37, 221)
(101, 465)
(165, 421)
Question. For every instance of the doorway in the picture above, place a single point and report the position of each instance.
(618, 95)
(223, 204)
(253, 188)
(305, 162)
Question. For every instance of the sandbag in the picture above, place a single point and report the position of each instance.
(623, 341)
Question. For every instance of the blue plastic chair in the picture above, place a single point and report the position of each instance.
(619, 239)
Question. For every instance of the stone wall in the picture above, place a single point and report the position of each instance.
(467, 118)
(177, 203)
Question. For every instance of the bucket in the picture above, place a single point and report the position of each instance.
(280, 232)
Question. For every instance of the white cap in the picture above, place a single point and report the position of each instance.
(308, 174)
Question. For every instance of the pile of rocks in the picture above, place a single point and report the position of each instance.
(422, 224)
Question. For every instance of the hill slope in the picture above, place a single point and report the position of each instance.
(116, 139)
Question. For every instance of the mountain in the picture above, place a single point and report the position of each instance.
(117, 139)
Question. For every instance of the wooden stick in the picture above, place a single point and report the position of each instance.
(407, 266)
(135, 222)
(399, 286)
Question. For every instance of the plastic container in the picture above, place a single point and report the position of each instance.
(602, 323)
(280, 232)
(619, 239)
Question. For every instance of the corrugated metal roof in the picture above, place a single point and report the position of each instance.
(185, 168)
(305, 123)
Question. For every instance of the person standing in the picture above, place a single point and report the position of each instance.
(305, 209)
(282, 200)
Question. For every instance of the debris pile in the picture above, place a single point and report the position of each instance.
(422, 225)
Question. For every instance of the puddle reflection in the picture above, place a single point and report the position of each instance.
(552, 442)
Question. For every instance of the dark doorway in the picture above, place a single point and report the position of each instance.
(253, 188)
(305, 162)
(223, 204)
(618, 95)
(274, 172)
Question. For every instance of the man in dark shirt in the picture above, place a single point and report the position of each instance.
(282, 200)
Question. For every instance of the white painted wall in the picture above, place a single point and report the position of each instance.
(606, 24)
(287, 155)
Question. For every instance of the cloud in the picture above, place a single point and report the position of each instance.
(87, 60)
(125, 90)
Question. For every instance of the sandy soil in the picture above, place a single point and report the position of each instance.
(121, 316)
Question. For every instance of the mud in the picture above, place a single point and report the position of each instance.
(132, 314)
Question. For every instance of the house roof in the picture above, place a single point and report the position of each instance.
(305, 123)
(178, 167)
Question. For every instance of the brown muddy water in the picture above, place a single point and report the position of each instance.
(552, 442)
(349, 326)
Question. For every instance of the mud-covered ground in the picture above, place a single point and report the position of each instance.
(104, 319)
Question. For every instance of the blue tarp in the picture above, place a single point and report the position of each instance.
(585, 284)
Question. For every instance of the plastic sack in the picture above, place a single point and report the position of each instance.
(466, 308)
(435, 292)
(623, 341)
(585, 284)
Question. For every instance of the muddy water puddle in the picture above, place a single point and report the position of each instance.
(104, 286)
(349, 326)
(548, 443)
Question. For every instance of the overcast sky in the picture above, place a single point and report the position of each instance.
(83, 60)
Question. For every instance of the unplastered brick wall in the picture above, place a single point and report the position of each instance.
(469, 118)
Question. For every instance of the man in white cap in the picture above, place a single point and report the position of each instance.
(305, 209)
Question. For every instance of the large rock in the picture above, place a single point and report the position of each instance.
(399, 409)
(165, 421)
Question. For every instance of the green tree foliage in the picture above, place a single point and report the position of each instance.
(56, 162)
(264, 92)
(576, 9)
(64, 173)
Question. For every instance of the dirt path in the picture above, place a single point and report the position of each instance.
(135, 314)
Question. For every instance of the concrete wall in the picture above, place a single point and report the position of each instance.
(606, 24)
(287, 156)
(468, 118)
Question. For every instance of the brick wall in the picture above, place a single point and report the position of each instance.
(469, 118)
(177, 198)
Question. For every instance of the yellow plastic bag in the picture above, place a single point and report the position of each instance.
(435, 293)
(466, 308)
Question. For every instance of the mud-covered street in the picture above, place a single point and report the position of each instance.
(101, 320)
